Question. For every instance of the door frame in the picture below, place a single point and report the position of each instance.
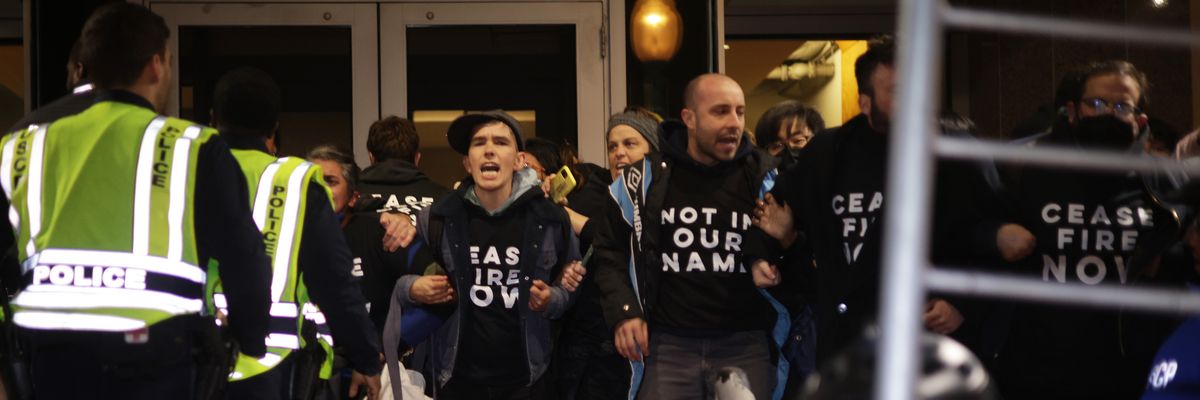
(593, 56)
(364, 51)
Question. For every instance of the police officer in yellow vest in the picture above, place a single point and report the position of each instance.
(117, 213)
(310, 259)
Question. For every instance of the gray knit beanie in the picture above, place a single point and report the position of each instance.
(641, 123)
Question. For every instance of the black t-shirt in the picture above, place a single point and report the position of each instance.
(857, 202)
(493, 350)
(704, 286)
(1086, 226)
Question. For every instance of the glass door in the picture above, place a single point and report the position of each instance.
(323, 56)
(542, 62)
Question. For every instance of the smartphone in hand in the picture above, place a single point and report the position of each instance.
(562, 184)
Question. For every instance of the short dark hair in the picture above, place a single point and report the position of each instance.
(117, 42)
(247, 102)
(766, 132)
(1117, 67)
(546, 152)
(394, 137)
(880, 50)
(329, 152)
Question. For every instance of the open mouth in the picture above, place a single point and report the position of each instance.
(727, 143)
(490, 169)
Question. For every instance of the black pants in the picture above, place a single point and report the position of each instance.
(463, 389)
(590, 370)
(686, 368)
(94, 365)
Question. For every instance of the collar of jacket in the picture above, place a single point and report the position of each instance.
(675, 144)
(524, 183)
(392, 171)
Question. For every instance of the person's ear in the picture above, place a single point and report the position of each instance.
(371, 157)
(353, 199)
(1072, 112)
(864, 103)
(77, 73)
(157, 69)
(688, 118)
(467, 164)
(520, 161)
(416, 159)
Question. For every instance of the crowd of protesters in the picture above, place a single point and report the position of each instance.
(708, 260)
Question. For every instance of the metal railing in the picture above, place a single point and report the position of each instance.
(907, 273)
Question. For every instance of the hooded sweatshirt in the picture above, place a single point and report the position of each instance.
(1089, 228)
(392, 186)
(396, 185)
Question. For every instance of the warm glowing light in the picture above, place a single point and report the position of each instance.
(655, 30)
(654, 19)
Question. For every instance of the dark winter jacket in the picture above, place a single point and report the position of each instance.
(387, 186)
(845, 295)
(627, 256)
(1091, 228)
(547, 234)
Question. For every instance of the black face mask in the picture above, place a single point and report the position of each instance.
(1104, 132)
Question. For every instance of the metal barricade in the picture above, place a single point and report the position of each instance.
(907, 273)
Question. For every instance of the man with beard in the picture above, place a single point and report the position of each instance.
(1076, 227)
(682, 219)
(836, 193)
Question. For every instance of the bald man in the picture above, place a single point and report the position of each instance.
(690, 304)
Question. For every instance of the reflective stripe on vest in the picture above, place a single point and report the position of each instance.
(70, 288)
(146, 195)
(14, 165)
(277, 205)
(33, 197)
(285, 232)
(314, 314)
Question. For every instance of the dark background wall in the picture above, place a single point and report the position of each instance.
(54, 29)
(998, 80)
(1002, 78)
(1009, 77)
(659, 86)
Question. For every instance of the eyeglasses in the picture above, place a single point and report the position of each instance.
(801, 137)
(1120, 109)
